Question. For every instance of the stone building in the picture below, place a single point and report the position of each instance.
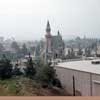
(51, 47)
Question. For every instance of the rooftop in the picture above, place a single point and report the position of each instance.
(84, 65)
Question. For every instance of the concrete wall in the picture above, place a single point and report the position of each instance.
(82, 80)
(95, 85)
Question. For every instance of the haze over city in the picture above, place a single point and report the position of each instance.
(50, 48)
(28, 18)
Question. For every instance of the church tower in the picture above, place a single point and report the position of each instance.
(48, 37)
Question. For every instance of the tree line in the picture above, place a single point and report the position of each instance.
(38, 71)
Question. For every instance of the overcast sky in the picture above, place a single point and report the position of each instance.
(26, 19)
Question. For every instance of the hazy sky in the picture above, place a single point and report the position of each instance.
(26, 19)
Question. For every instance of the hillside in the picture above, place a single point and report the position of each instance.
(27, 87)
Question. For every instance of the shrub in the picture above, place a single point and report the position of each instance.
(57, 83)
(30, 70)
(5, 69)
(45, 74)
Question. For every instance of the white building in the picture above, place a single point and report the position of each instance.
(86, 77)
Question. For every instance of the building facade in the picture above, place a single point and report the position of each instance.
(51, 47)
(86, 77)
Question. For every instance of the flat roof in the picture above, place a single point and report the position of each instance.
(84, 66)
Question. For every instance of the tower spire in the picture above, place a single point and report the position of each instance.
(48, 29)
(58, 33)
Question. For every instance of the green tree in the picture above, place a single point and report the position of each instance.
(30, 69)
(69, 53)
(5, 68)
(1, 47)
(45, 74)
(88, 52)
(15, 46)
(72, 53)
(80, 52)
(17, 50)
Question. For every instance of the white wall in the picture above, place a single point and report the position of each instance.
(96, 85)
(82, 80)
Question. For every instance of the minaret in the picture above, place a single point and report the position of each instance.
(48, 37)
